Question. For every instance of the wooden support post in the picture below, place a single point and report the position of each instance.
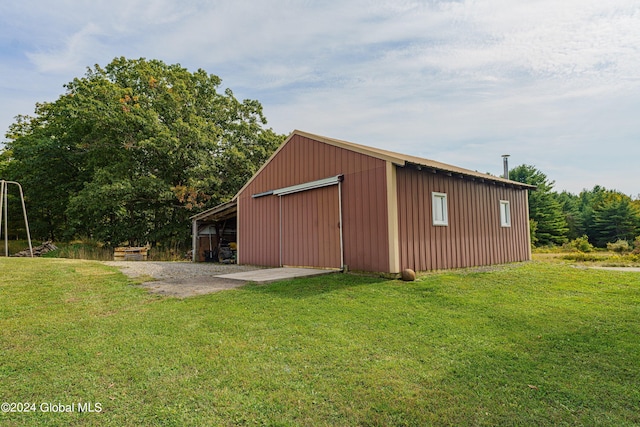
(194, 240)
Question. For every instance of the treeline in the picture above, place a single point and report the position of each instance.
(130, 151)
(603, 216)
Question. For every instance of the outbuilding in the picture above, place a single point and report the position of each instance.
(326, 203)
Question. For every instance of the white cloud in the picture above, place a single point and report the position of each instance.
(76, 49)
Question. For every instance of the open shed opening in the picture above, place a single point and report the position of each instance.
(215, 234)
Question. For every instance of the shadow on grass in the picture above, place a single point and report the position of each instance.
(313, 286)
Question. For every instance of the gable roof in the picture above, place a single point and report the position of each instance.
(402, 160)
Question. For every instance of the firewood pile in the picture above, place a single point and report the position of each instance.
(38, 250)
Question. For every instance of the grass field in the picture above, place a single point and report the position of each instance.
(527, 344)
(600, 258)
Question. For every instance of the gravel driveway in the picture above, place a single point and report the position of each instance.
(181, 279)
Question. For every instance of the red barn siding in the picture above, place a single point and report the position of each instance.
(300, 160)
(386, 213)
(474, 235)
(259, 232)
(311, 228)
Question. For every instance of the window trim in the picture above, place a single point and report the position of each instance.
(439, 199)
(505, 213)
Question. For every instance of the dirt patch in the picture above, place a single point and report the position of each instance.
(183, 289)
(181, 279)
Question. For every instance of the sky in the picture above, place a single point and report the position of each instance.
(554, 84)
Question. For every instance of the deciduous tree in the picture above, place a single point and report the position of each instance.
(131, 150)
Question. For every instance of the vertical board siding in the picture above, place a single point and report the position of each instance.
(364, 212)
(474, 235)
(310, 233)
(263, 229)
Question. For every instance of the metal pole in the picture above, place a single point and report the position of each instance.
(280, 231)
(26, 221)
(505, 166)
(2, 184)
(340, 225)
(4, 197)
(6, 222)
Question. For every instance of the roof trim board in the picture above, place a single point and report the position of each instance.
(301, 187)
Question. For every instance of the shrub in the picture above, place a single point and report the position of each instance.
(620, 246)
(580, 244)
(82, 249)
(636, 245)
(623, 260)
(168, 254)
(533, 228)
(582, 257)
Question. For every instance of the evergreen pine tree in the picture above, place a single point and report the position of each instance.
(544, 208)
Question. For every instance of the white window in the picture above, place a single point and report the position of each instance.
(505, 213)
(439, 202)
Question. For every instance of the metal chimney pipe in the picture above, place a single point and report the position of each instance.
(505, 164)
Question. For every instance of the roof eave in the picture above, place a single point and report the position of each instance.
(223, 207)
(463, 173)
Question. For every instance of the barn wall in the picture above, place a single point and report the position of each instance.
(364, 207)
(311, 230)
(258, 230)
(474, 235)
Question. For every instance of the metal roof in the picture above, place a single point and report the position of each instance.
(229, 209)
(401, 160)
(218, 213)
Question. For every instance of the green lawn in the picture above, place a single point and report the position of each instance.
(527, 344)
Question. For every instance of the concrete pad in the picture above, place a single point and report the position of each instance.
(274, 274)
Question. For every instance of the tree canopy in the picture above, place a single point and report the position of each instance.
(603, 216)
(608, 216)
(131, 150)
